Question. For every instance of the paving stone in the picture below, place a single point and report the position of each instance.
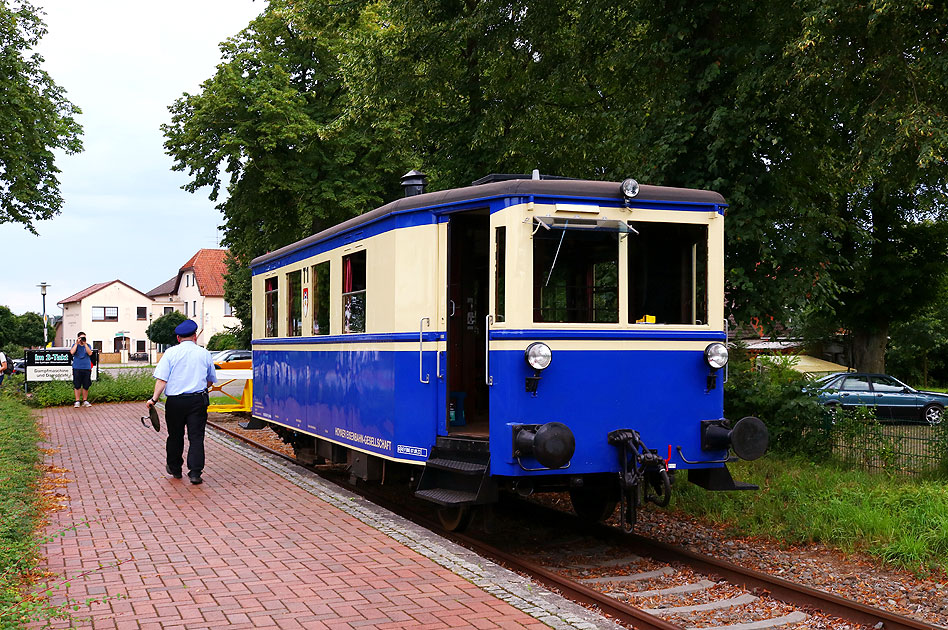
(260, 541)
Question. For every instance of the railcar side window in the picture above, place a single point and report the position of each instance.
(500, 268)
(575, 276)
(353, 293)
(321, 299)
(668, 273)
(294, 303)
(271, 305)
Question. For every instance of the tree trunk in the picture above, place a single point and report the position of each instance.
(868, 348)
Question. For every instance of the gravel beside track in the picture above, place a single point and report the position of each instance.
(854, 576)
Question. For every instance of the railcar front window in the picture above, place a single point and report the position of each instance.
(294, 303)
(668, 273)
(321, 299)
(271, 305)
(575, 276)
(353, 293)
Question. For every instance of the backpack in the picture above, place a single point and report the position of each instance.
(9, 369)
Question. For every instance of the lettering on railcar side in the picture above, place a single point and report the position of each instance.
(368, 440)
(417, 451)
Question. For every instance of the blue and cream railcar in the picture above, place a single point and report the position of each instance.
(521, 333)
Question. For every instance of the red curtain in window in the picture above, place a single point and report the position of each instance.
(346, 274)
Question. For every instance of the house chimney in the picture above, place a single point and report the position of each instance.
(414, 183)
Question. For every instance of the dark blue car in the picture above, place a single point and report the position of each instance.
(894, 400)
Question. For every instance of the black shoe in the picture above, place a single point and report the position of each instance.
(195, 478)
(176, 475)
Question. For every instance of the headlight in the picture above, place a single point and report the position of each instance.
(716, 355)
(630, 188)
(538, 355)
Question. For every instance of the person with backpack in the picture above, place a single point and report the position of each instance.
(5, 364)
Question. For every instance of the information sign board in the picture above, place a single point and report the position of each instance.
(54, 364)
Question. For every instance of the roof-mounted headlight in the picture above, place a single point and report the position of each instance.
(538, 355)
(716, 355)
(630, 188)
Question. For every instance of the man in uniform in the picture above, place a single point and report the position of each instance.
(184, 374)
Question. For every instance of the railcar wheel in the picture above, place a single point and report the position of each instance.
(455, 519)
(594, 504)
(933, 414)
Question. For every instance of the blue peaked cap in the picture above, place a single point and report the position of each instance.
(186, 328)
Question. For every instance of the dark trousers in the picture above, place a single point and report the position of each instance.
(186, 411)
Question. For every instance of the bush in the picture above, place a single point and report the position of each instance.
(223, 341)
(776, 395)
(123, 387)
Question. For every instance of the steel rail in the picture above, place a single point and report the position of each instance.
(611, 607)
(777, 588)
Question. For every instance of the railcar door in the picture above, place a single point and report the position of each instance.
(468, 401)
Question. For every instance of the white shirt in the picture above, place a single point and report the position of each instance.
(186, 368)
(3, 358)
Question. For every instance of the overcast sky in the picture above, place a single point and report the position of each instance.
(125, 216)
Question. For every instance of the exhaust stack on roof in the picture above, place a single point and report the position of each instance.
(414, 183)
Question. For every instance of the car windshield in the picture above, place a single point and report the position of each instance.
(825, 381)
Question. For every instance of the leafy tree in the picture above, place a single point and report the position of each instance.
(30, 330)
(37, 119)
(161, 331)
(9, 327)
(268, 118)
(873, 77)
(22, 331)
(822, 122)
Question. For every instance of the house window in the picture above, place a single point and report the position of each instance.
(142, 312)
(97, 345)
(167, 310)
(353, 293)
(194, 305)
(271, 302)
(140, 345)
(105, 313)
(228, 309)
(294, 303)
(321, 299)
(185, 309)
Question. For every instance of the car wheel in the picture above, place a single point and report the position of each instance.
(932, 414)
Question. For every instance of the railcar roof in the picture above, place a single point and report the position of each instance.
(511, 188)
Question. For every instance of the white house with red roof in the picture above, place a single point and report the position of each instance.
(114, 316)
(198, 292)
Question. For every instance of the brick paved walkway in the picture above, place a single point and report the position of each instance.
(247, 549)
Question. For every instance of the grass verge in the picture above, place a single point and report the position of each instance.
(19, 508)
(904, 522)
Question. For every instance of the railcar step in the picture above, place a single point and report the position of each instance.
(444, 496)
(456, 465)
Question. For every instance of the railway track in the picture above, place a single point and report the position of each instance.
(639, 582)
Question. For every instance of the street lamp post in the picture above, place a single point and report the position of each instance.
(43, 286)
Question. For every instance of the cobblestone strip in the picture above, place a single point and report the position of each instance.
(521, 593)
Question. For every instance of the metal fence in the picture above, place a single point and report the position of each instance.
(916, 449)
